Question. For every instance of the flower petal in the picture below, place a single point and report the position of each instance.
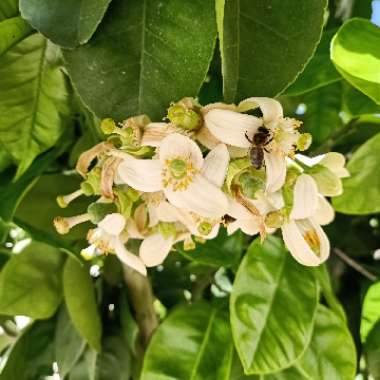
(154, 249)
(230, 127)
(113, 224)
(298, 246)
(154, 133)
(237, 210)
(270, 108)
(167, 212)
(143, 175)
(305, 197)
(153, 217)
(201, 196)
(215, 165)
(176, 145)
(129, 258)
(335, 162)
(325, 213)
(133, 231)
(275, 168)
(206, 138)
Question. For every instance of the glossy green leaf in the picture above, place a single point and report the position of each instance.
(266, 44)
(12, 31)
(370, 310)
(68, 23)
(81, 304)
(355, 103)
(193, 343)
(269, 334)
(31, 357)
(68, 344)
(30, 282)
(361, 194)
(34, 103)
(322, 118)
(372, 351)
(331, 354)
(221, 251)
(319, 72)
(354, 51)
(8, 9)
(144, 55)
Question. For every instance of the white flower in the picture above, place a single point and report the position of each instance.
(232, 127)
(107, 237)
(181, 173)
(302, 234)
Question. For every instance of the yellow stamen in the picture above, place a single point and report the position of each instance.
(63, 225)
(178, 173)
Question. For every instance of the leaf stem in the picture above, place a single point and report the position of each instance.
(141, 298)
(355, 265)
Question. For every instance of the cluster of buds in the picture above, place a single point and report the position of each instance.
(162, 183)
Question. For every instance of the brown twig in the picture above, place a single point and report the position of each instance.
(141, 298)
(355, 265)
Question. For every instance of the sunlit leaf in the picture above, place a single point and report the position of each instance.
(144, 55)
(30, 282)
(372, 351)
(273, 304)
(266, 44)
(68, 23)
(370, 310)
(362, 189)
(354, 51)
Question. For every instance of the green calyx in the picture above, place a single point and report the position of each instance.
(91, 186)
(250, 184)
(99, 210)
(178, 168)
(184, 117)
(125, 199)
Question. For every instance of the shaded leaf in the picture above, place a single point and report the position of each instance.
(68, 23)
(269, 335)
(12, 31)
(355, 103)
(355, 53)
(68, 344)
(144, 55)
(30, 282)
(266, 44)
(361, 194)
(81, 304)
(8, 9)
(194, 342)
(319, 72)
(34, 104)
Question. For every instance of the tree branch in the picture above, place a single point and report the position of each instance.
(141, 297)
(354, 264)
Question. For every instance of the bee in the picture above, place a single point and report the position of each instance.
(260, 140)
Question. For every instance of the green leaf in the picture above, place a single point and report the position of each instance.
(34, 105)
(12, 31)
(144, 55)
(330, 356)
(319, 72)
(68, 344)
(68, 23)
(80, 300)
(8, 9)
(322, 118)
(30, 282)
(194, 342)
(361, 194)
(370, 310)
(31, 357)
(265, 44)
(273, 303)
(372, 351)
(355, 103)
(12, 194)
(354, 51)
(222, 251)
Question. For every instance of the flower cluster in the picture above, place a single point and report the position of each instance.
(161, 183)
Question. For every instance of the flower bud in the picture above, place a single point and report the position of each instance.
(88, 253)
(184, 117)
(108, 126)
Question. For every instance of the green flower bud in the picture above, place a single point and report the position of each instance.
(304, 141)
(99, 210)
(184, 117)
(108, 126)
